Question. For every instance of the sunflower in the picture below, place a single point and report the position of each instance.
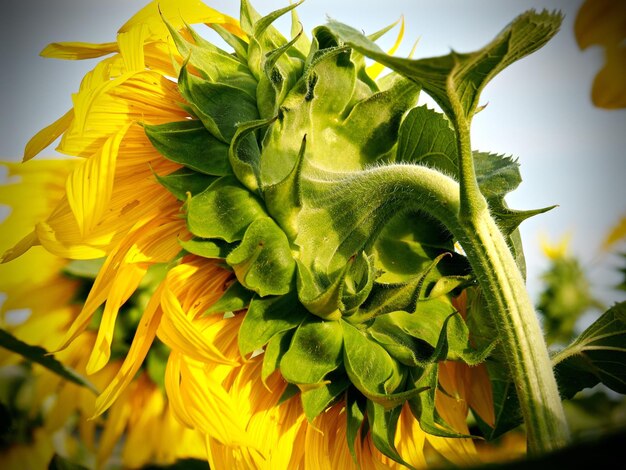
(312, 319)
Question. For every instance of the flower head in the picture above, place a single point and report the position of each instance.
(306, 326)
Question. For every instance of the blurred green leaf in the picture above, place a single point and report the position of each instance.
(598, 355)
(42, 357)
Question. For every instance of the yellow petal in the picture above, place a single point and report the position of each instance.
(480, 396)
(144, 335)
(555, 250)
(459, 451)
(89, 187)
(177, 12)
(131, 47)
(47, 135)
(181, 334)
(78, 50)
(20, 247)
(609, 86)
(375, 69)
(600, 22)
(115, 424)
(211, 408)
(127, 281)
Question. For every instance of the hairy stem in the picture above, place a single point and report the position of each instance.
(518, 327)
(503, 286)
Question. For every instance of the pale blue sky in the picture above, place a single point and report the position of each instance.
(571, 153)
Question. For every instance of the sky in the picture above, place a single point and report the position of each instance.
(538, 110)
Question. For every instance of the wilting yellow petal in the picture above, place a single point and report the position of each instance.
(609, 86)
(20, 247)
(116, 422)
(376, 68)
(600, 22)
(147, 407)
(89, 187)
(78, 50)
(603, 22)
(131, 47)
(480, 394)
(144, 335)
(459, 451)
(325, 443)
(211, 408)
(180, 333)
(47, 135)
(177, 12)
(410, 439)
(126, 284)
(104, 109)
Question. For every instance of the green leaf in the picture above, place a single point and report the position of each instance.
(455, 81)
(220, 107)
(316, 400)
(497, 175)
(376, 120)
(369, 366)
(439, 330)
(598, 355)
(267, 317)
(319, 297)
(42, 357)
(224, 210)
(184, 181)
(358, 283)
(355, 415)
(274, 351)
(236, 297)
(426, 137)
(190, 144)
(212, 249)
(383, 424)
(280, 73)
(423, 405)
(263, 261)
(244, 155)
(400, 345)
(314, 352)
(425, 282)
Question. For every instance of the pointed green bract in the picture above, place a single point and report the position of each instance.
(185, 183)
(315, 351)
(191, 145)
(224, 210)
(235, 298)
(268, 317)
(263, 262)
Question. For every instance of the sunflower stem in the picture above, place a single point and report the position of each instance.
(520, 333)
(509, 304)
